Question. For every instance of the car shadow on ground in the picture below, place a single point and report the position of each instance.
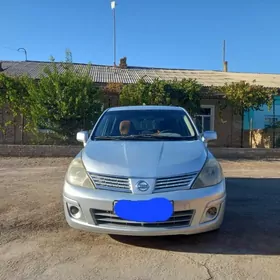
(251, 224)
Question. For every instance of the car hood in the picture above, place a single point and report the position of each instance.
(146, 159)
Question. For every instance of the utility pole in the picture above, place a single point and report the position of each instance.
(224, 51)
(225, 63)
(274, 124)
(25, 52)
(113, 6)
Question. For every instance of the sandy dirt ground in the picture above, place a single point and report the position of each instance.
(37, 243)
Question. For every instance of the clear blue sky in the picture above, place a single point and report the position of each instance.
(160, 33)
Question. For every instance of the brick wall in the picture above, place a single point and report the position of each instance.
(246, 153)
(71, 151)
(227, 126)
(38, 151)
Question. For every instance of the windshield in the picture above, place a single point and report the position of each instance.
(145, 124)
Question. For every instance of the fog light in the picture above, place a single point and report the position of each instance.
(212, 212)
(74, 210)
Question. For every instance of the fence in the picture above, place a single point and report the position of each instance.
(262, 128)
(13, 133)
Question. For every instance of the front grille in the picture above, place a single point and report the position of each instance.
(175, 183)
(108, 218)
(103, 182)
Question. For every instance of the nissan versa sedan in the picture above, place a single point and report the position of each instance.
(146, 171)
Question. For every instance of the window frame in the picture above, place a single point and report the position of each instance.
(212, 116)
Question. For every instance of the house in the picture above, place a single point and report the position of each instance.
(228, 128)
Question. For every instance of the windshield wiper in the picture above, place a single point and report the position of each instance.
(107, 138)
(161, 136)
(175, 138)
(146, 137)
(124, 137)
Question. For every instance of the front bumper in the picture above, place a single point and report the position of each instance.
(194, 203)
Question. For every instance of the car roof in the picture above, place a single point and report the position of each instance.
(145, 107)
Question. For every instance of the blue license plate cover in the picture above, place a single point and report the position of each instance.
(144, 211)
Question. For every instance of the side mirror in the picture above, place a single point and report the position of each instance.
(209, 136)
(82, 136)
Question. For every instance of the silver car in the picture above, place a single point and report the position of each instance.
(146, 171)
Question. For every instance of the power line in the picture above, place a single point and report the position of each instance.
(8, 48)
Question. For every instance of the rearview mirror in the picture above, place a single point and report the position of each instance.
(82, 136)
(209, 136)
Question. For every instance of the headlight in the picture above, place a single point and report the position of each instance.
(210, 175)
(77, 175)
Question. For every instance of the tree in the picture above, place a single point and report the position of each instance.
(14, 93)
(243, 96)
(185, 93)
(64, 100)
(137, 94)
